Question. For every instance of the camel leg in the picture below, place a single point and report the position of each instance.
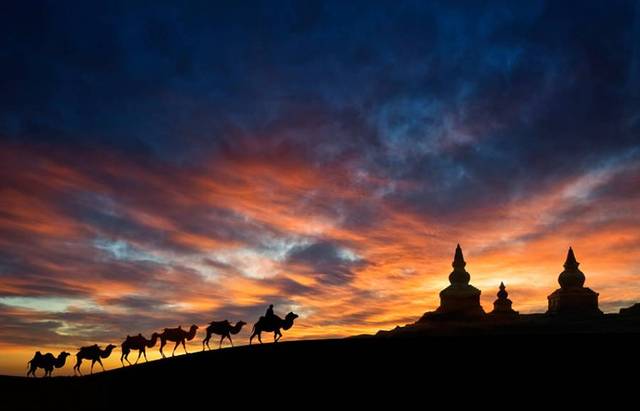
(145, 355)
(100, 362)
(162, 344)
(185, 347)
(260, 337)
(230, 340)
(206, 340)
(221, 339)
(93, 362)
(174, 348)
(139, 354)
(277, 335)
(77, 366)
(126, 357)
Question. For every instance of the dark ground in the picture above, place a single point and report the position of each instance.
(416, 370)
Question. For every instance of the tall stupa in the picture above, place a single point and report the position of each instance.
(460, 299)
(573, 297)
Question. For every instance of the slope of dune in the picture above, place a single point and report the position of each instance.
(355, 371)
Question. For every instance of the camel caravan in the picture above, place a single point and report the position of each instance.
(270, 322)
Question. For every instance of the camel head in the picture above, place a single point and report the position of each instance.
(192, 332)
(154, 338)
(62, 358)
(107, 351)
(288, 320)
(236, 328)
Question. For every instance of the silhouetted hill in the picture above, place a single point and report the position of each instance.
(413, 369)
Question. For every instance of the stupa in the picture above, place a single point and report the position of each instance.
(573, 297)
(460, 300)
(502, 306)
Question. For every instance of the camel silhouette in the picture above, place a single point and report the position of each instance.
(47, 361)
(179, 336)
(137, 342)
(93, 353)
(272, 325)
(224, 329)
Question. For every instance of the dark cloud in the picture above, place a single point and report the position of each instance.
(329, 262)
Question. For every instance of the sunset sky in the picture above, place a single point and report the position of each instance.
(165, 164)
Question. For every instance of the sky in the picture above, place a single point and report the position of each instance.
(175, 163)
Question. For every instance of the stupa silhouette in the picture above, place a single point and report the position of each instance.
(460, 300)
(573, 298)
(502, 306)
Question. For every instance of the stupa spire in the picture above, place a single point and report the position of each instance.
(571, 263)
(459, 275)
(571, 276)
(458, 259)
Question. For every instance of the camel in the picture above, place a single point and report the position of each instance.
(275, 324)
(137, 342)
(224, 329)
(47, 361)
(93, 353)
(179, 336)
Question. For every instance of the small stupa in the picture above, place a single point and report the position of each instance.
(573, 297)
(502, 306)
(460, 299)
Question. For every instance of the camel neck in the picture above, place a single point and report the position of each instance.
(60, 361)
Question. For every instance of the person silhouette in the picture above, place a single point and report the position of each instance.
(269, 314)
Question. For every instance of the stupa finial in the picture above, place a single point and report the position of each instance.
(459, 275)
(458, 259)
(571, 263)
